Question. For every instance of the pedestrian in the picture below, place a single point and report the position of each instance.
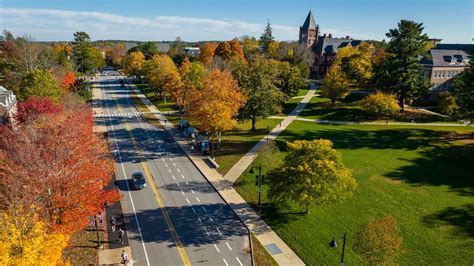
(120, 235)
(124, 256)
(192, 148)
(99, 217)
(113, 223)
(280, 123)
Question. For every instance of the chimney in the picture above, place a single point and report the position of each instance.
(324, 35)
(330, 35)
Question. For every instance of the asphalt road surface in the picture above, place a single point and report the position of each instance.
(179, 219)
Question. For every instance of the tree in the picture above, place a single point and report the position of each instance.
(213, 108)
(335, 84)
(378, 241)
(207, 53)
(133, 63)
(447, 103)
(358, 67)
(312, 172)
(68, 81)
(58, 169)
(162, 74)
(268, 155)
(26, 241)
(40, 83)
(115, 55)
(290, 80)
(267, 36)
(237, 52)
(249, 46)
(380, 104)
(149, 49)
(87, 58)
(407, 42)
(176, 51)
(464, 90)
(257, 82)
(224, 50)
(192, 76)
(272, 49)
(35, 106)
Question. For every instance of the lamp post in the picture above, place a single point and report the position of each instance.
(99, 245)
(333, 244)
(258, 182)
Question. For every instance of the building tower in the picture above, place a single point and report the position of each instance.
(309, 32)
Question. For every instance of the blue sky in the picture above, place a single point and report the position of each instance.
(450, 20)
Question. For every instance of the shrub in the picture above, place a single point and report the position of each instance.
(380, 104)
(447, 103)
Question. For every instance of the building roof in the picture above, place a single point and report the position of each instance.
(161, 46)
(446, 58)
(468, 48)
(332, 45)
(309, 23)
(7, 100)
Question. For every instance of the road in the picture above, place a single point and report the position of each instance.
(179, 219)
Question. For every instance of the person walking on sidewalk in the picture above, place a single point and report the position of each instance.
(124, 257)
(113, 223)
(120, 235)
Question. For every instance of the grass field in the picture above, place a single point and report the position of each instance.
(422, 176)
(239, 141)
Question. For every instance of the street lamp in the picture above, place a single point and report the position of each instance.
(99, 245)
(258, 182)
(333, 244)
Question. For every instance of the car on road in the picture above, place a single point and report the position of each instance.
(138, 181)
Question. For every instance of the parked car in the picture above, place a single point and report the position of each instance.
(138, 180)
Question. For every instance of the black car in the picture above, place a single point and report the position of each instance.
(138, 180)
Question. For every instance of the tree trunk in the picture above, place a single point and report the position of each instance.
(254, 123)
(219, 136)
(333, 101)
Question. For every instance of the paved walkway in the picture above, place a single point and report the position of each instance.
(267, 237)
(244, 162)
(321, 121)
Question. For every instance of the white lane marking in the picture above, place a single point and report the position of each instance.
(219, 231)
(217, 248)
(239, 261)
(171, 159)
(182, 192)
(186, 182)
(200, 220)
(188, 201)
(169, 170)
(174, 178)
(163, 159)
(226, 264)
(198, 199)
(211, 219)
(193, 209)
(129, 193)
(204, 208)
(166, 165)
(207, 232)
(179, 171)
(182, 176)
(227, 243)
(177, 183)
(174, 164)
(192, 190)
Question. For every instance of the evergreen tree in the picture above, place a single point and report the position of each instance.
(407, 43)
(464, 91)
(266, 38)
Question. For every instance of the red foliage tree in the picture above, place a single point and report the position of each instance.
(35, 106)
(57, 165)
(68, 81)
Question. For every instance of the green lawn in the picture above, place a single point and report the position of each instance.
(239, 141)
(422, 176)
(156, 99)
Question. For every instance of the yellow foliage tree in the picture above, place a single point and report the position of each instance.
(336, 85)
(133, 63)
(213, 108)
(207, 53)
(24, 240)
(162, 74)
(192, 77)
(381, 104)
(272, 49)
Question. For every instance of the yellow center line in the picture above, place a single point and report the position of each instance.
(159, 199)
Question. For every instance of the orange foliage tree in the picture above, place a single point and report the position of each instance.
(162, 74)
(213, 108)
(58, 165)
(68, 81)
(207, 53)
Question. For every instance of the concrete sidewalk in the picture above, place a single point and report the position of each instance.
(267, 237)
(244, 162)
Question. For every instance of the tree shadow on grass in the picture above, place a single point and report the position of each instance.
(461, 218)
